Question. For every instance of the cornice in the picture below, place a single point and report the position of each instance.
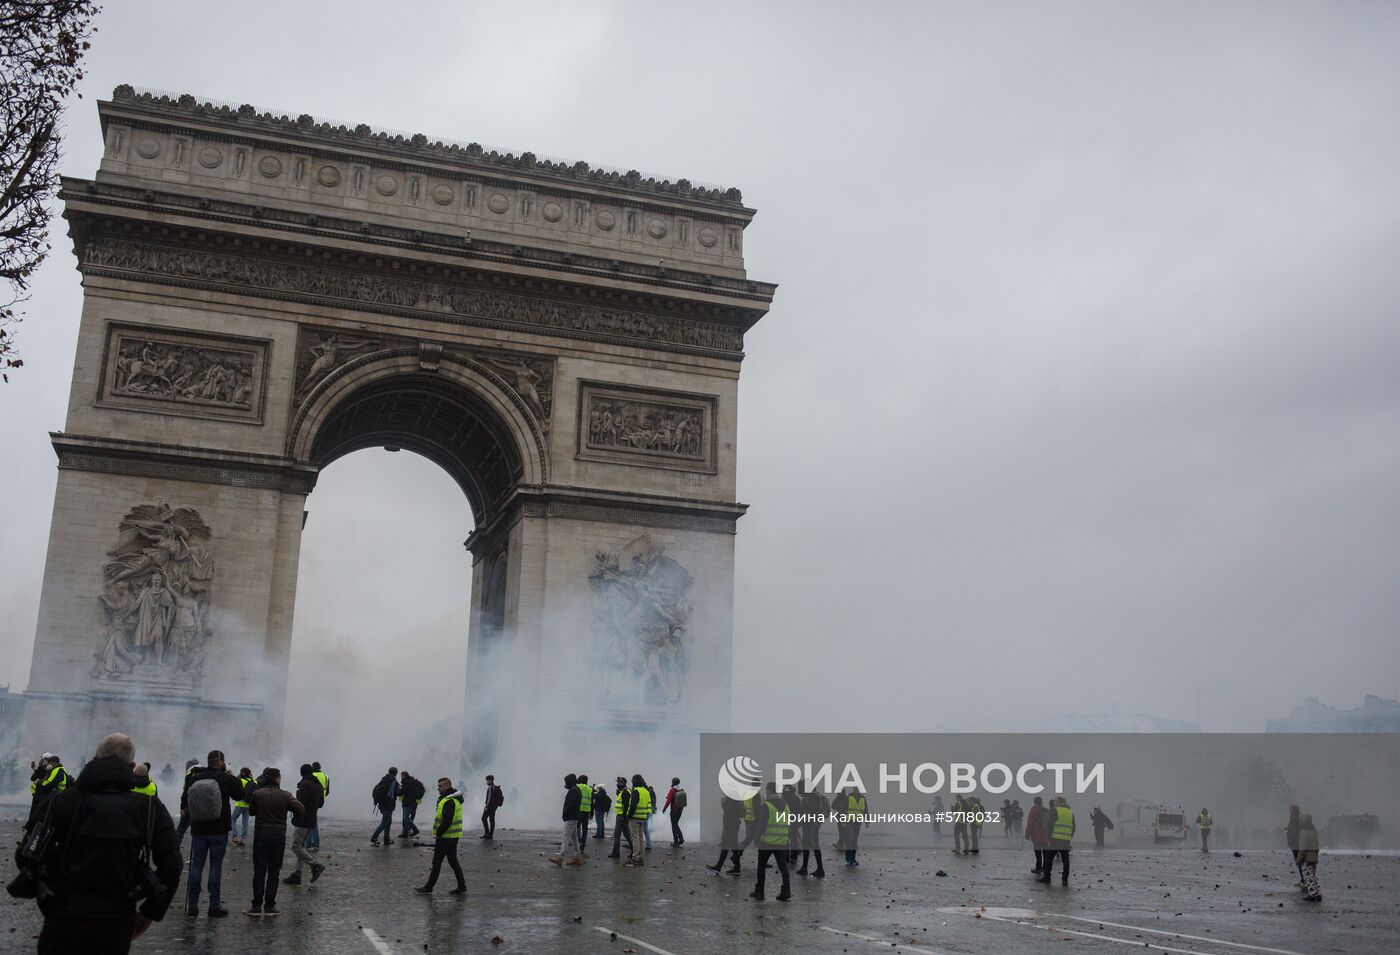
(416, 240)
(179, 463)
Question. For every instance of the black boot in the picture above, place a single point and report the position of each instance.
(784, 895)
(756, 894)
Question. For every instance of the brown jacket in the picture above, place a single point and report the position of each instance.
(270, 804)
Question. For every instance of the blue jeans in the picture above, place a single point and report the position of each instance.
(646, 831)
(214, 848)
(313, 838)
(600, 815)
(410, 810)
(386, 823)
(241, 812)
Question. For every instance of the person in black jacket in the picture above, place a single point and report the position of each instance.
(93, 864)
(311, 797)
(447, 828)
(731, 810)
(48, 780)
(209, 838)
(569, 847)
(412, 792)
(386, 799)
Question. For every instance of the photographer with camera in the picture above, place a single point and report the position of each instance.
(88, 859)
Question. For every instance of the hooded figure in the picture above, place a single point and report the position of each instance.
(1307, 857)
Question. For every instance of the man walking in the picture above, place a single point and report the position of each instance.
(1061, 832)
(621, 830)
(310, 796)
(601, 804)
(1203, 822)
(240, 806)
(1100, 821)
(729, 844)
(639, 805)
(568, 846)
(854, 806)
(447, 833)
(385, 797)
(184, 825)
(585, 810)
(205, 803)
(1038, 832)
(495, 799)
(774, 825)
(270, 804)
(675, 803)
(102, 902)
(413, 791)
(815, 806)
(313, 840)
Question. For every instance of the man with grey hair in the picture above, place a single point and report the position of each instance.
(96, 899)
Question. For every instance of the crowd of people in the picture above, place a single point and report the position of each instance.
(103, 856)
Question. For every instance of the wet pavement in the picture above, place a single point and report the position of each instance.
(1169, 901)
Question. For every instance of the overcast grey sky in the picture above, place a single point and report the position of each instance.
(1082, 385)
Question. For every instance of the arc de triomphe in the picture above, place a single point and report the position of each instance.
(264, 294)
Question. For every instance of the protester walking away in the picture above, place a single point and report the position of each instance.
(621, 829)
(601, 804)
(774, 824)
(205, 803)
(1018, 816)
(240, 806)
(146, 786)
(313, 839)
(495, 799)
(311, 797)
(184, 826)
(961, 842)
(1007, 820)
(1038, 833)
(938, 811)
(413, 792)
(792, 802)
(976, 816)
(585, 810)
(385, 797)
(1291, 831)
(568, 847)
(731, 812)
(1100, 821)
(447, 833)
(815, 806)
(89, 858)
(1203, 823)
(639, 806)
(675, 804)
(48, 780)
(167, 776)
(1062, 824)
(270, 804)
(646, 823)
(1307, 857)
(851, 803)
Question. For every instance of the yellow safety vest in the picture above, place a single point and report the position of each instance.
(976, 806)
(243, 785)
(748, 809)
(1063, 829)
(585, 797)
(855, 805)
(775, 831)
(59, 782)
(325, 782)
(147, 790)
(643, 807)
(1203, 820)
(620, 800)
(454, 828)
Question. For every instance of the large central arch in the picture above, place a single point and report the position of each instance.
(265, 295)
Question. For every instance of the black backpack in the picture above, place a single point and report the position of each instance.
(380, 795)
(415, 790)
(678, 800)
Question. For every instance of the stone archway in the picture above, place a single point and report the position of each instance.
(264, 295)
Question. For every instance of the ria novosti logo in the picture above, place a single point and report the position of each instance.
(740, 778)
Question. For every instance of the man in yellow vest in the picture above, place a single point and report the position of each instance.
(851, 803)
(585, 810)
(447, 830)
(1203, 822)
(313, 838)
(639, 809)
(49, 779)
(1061, 833)
(240, 809)
(620, 828)
(774, 834)
(147, 785)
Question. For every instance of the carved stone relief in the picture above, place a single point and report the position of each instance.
(370, 290)
(156, 594)
(641, 612)
(320, 352)
(183, 372)
(636, 426)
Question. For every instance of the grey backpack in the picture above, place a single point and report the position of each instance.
(205, 800)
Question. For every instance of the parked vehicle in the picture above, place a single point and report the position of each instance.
(1169, 825)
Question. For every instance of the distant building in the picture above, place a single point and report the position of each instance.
(1375, 715)
(1115, 723)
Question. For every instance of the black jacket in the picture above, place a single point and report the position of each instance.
(231, 787)
(572, 800)
(100, 827)
(312, 797)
